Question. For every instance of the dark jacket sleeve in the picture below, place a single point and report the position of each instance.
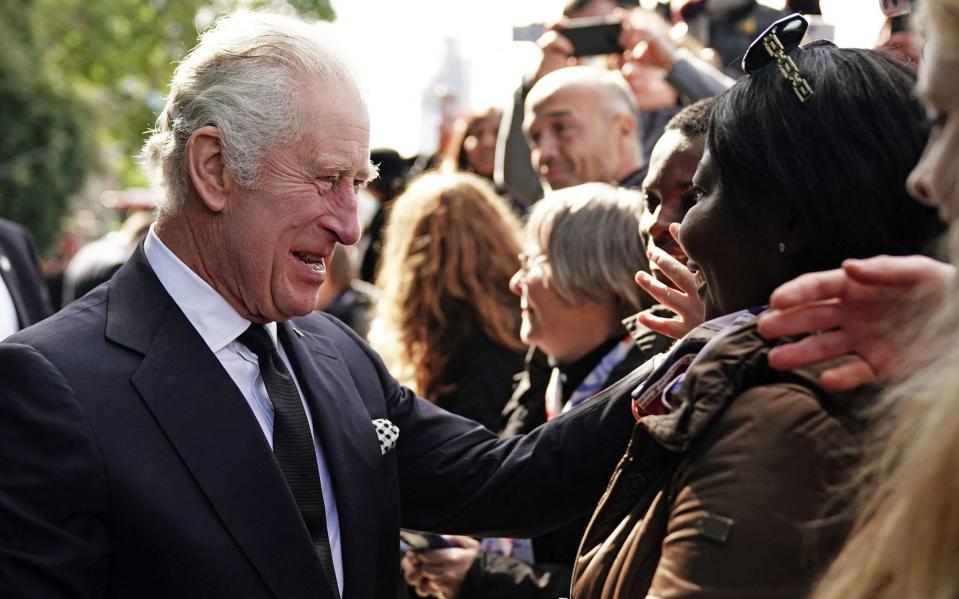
(458, 477)
(494, 577)
(53, 529)
(514, 170)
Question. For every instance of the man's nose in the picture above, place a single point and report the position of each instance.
(545, 149)
(918, 185)
(347, 223)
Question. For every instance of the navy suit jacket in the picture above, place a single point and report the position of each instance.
(132, 466)
(21, 274)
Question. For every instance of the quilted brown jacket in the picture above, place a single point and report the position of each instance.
(732, 494)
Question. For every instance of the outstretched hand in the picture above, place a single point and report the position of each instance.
(857, 310)
(682, 298)
(440, 572)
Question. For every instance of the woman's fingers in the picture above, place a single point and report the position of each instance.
(810, 350)
(854, 373)
(662, 293)
(899, 271)
(805, 318)
(810, 287)
(670, 327)
(675, 270)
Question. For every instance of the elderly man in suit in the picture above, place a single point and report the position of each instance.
(193, 429)
(23, 294)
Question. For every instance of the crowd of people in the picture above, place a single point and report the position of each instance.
(674, 321)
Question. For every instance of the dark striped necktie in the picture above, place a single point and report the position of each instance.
(292, 442)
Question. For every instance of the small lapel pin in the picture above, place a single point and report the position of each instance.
(5, 264)
(298, 332)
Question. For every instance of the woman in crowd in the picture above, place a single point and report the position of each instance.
(575, 287)
(446, 323)
(473, 146)
(899, 315)
(729, 494)
(577, 297)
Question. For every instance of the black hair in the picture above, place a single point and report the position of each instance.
(693, 120)
(393, 172)
(837, 163)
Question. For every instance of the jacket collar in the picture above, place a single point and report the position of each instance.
(736, 363)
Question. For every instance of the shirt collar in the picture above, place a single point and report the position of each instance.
(217, 322)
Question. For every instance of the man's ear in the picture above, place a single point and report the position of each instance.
(204, 162)
(626, 126)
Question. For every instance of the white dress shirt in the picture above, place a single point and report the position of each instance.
(9, 321)
(219, 325)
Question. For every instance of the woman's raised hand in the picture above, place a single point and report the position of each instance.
(682, 299)
(857, 310)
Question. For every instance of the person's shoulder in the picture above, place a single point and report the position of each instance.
(732, 386)
(69, 329)
(8, 227)
(775, 408)
(15, 235)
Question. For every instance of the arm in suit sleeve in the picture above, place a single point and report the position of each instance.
(456, 476)
(53, 533)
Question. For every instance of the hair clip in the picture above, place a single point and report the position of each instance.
(774, 47)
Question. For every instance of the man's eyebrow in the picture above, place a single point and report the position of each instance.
(558, 112)
(368, 171)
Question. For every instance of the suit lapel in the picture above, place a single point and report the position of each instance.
(350, 447)
(212, 428)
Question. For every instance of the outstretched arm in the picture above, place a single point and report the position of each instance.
(858, 310)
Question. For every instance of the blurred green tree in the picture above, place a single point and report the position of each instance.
(82, 74)
(44, 148)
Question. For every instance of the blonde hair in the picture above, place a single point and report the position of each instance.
(906, 539)
(450, 249)
(940, 17)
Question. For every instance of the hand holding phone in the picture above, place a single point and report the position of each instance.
(421, 541)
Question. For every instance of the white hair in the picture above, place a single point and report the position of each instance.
(590, 235)
(243, 77)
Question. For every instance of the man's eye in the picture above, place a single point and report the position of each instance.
(696, 194)
(652, 202)
(325, 184)
(936, 118)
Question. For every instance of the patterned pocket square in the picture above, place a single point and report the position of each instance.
(387, 433)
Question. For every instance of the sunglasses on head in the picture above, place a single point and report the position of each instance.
(774, 45)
